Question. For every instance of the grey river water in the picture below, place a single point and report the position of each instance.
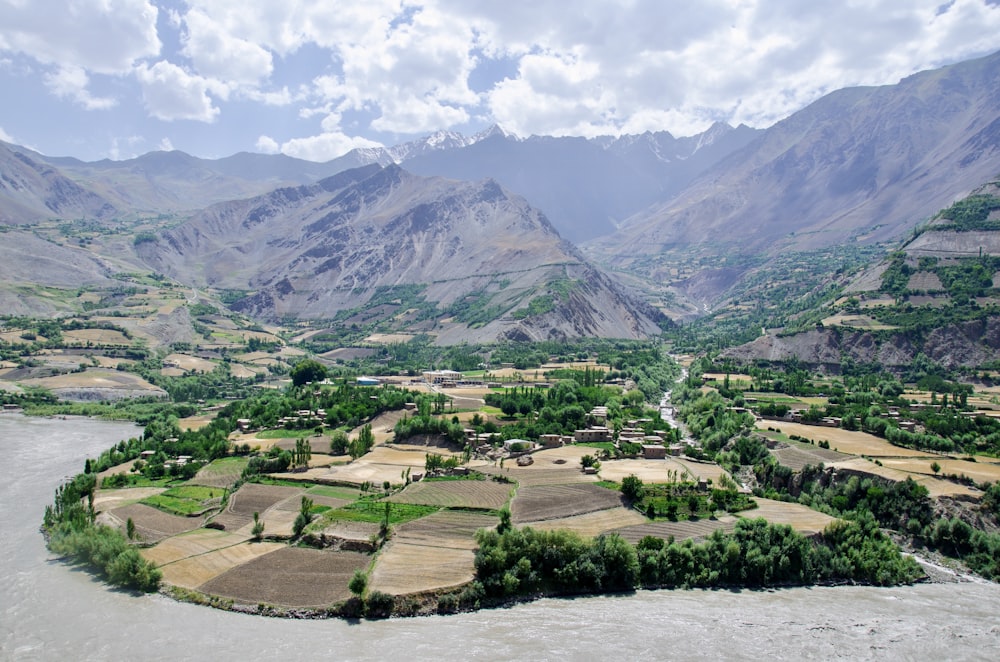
(49, 611)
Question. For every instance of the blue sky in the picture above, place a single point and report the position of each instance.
(116, 78)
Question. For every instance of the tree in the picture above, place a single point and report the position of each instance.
(632, 488)
(258, 526)
(935, 467)
(307, 371)
(339, 443)
(693, 503)
(504, 525)
(130, 529)
(358, 583)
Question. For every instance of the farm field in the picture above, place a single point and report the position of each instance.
(152, 525)
(290, 577)
(592, 524)
(797, 455)
(845, 441)
(486, 494)
(526, 476)
(680, 530)
(434, 552)
(801, 518)
(220, 473)
(251, 498)
(655, 471)
(981, 472)
(379, 465)
(106, 499)
(193, 571)
(95, 378)
(97, 336)
(936, 486)
(544, 502)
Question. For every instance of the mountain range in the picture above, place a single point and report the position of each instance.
(488, 223)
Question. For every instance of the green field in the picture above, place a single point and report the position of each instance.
(184, 499)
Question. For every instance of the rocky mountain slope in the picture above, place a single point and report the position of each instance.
(938, 295)
(495, 265)
(31, 190)
(586, 186)
(860, 164)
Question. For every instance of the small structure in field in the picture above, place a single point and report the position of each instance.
(654, 452)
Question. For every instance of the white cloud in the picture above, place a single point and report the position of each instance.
(325, 146)
(102, 36)
(71, 82)
(217, 54)
(171, 93)
(6, 137)
(268, 145)
(165, 145)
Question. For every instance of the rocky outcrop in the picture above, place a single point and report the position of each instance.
(969, 344)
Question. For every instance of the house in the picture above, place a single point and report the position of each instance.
(441, 376)
(596, 433)
(654, 452)
(551, 440)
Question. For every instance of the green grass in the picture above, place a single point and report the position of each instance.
(374, 512)
(184, 499)
(282, 433)
(334, 492)
(225, 466)
(265, 480)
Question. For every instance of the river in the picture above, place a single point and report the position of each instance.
(53, 612)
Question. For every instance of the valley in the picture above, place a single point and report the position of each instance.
(392, 384)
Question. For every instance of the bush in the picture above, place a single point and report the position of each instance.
(379, 605)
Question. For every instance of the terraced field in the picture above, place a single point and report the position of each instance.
(486, 494)
(545, 502)
(680, 530)
(290, 577)
(592, 524)
(845, 441)
(434, 552)
(254, 498)
(153, 525)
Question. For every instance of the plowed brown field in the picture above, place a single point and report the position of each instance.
(290, 577)
(456, 494)
(434, 552)
(536, 503)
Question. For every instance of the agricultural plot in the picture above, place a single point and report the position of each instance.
(254, 498)
(981, 472)
(544, 502)
(290, 577)
(220, 473)
(528, 476)
(192, 571)
(485, 494)
(845, 441)
(801, 518)
(108, 499)
(186, 500)
(592, 524)
(96, 337)
(680, 530)
(796, 456)
(437, 551)
(380, 465)
(153, 525)
(651, 471)
(97, 378)
(936, 486)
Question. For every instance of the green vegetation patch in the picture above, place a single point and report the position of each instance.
(334, 492)
(184, 500)
(374, 512)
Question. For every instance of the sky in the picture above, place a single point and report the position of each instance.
(315, 78)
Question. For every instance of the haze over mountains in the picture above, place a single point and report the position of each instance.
(309, 239)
